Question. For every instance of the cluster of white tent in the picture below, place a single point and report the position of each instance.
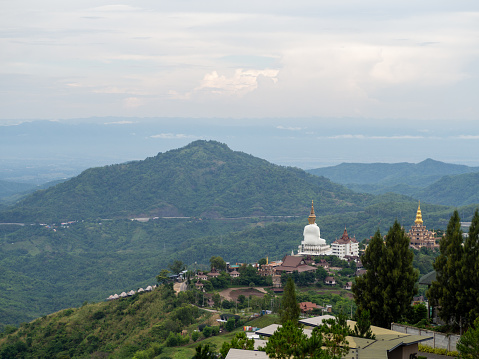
(130, 293)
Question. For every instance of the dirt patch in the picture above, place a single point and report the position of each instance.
(234, 293)
(212, 320)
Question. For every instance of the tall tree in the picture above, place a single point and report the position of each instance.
(387, 288)
(399, 276)
(177, 266)
(367, 290)
(289, 305)
(447, 291)
(470, 271)
(217, 263)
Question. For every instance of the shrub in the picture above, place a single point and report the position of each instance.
(207, 331)
(195, 335)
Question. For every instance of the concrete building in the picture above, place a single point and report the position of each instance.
(345, 246)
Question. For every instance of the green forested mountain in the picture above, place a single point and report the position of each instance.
(430, 181)
(419, 174)
(203, 179)
(459, 190)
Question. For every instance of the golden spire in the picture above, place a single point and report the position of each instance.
(418, 214)
(312, 216)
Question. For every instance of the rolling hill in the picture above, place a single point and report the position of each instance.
(203, 179)
(431, 181)
(419, 174)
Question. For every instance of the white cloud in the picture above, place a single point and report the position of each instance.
(289, 128)
(366, 137)
(468, 137)
(240, 83)
(120, 123)
(172, 136)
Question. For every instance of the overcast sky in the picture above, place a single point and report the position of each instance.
(362, 59)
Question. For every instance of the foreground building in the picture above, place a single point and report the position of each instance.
(312, 243)
(387, 345)
(419, 235)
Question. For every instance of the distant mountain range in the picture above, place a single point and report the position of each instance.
(430, 181)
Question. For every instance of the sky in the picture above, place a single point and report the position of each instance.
(303, 83)
(239, 59)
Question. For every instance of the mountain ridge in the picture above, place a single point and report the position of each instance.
(202, 179)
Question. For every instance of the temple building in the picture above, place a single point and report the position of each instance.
(419, 235)
(345, 246)
(313, 244)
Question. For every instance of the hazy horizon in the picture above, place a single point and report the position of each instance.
(68, 146)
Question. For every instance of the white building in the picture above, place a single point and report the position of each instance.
(345, 246)
(313, 244)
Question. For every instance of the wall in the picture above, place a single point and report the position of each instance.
(439, 340)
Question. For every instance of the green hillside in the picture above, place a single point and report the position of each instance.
(157, 322)
(203, 179)
(390, 174)
(459, 190)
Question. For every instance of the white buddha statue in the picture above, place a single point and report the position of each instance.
(313, 244)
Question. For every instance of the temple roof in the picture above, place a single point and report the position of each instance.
(418, 215)
(312, 216)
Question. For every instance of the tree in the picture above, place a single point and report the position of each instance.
(205, 352)
(468, 344)
(334, 333)
(239, 341)
(447, 291)
(218, 263)
(470, 271)
(163, 278)
(262, 261)
(217, 299)
(289, 306)
(388, 286)
(367, 290)
(177, 266)
(326, 342)
(288, 341)
(362, 328)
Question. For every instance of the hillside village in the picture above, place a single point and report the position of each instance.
(315, 263)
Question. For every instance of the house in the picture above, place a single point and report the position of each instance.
(307, 307)
(213, 274)
(323, 263)
(348, 286)
(268, 268)
(199, 286)
(329, 281)
(234, 274)
(201, 276)
(293, 264)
